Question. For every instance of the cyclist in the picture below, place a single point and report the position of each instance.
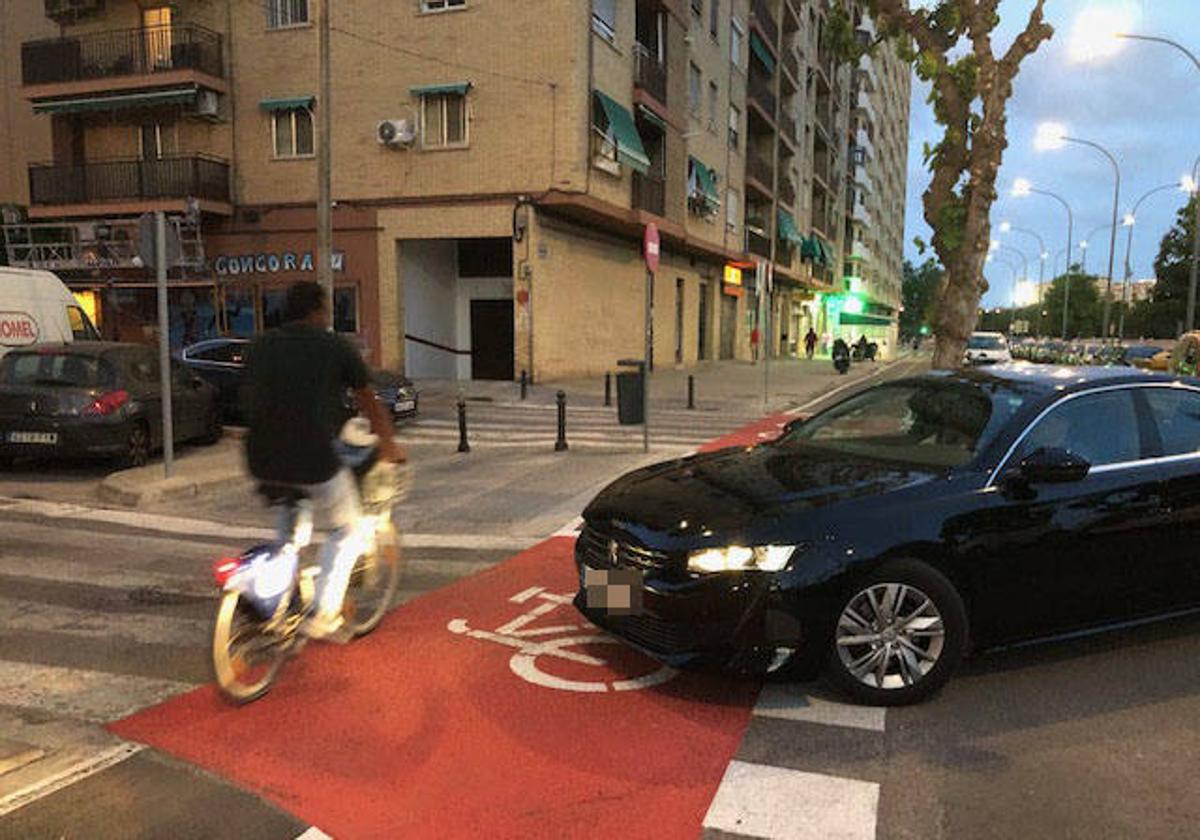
(296, 379)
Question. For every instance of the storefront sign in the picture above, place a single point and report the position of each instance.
(733, 276)
(17, 329)
(227, 265)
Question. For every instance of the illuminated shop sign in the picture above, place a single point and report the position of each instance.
(271, 263)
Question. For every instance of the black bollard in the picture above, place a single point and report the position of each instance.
(524, 383)
(607, 388)
(560, 445)
(463, 446)
(691, 391)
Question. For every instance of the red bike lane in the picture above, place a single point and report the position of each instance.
(486, 708)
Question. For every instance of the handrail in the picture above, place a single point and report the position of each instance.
(435, 345)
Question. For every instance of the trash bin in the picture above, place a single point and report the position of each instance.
(631, 392)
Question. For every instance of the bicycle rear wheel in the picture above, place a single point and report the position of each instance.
(373, 584)
(246, 659)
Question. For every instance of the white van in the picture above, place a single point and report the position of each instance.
(36, 308)
(987, 348)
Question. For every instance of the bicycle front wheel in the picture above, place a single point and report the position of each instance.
(246, 659)
(373, 584)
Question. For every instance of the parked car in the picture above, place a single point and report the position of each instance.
(1139, 355)
(908, 525)
(987, 348)
(222, 361)
(97, 399)
(36, 308)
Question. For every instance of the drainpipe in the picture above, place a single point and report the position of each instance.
(525, 271)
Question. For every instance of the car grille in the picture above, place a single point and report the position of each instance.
(594, 550)
(655, 634)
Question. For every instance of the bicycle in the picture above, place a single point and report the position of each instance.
(269, 590)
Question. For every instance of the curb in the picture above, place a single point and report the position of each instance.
(118, 488)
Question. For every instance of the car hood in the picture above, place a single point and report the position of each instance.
(736, 492)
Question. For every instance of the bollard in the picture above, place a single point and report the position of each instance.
(560, 445)
(463, 446)
(607, 388)
(524, 383)
(691, 391)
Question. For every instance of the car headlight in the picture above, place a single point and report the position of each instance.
(737, 558)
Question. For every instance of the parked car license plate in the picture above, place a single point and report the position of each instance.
(615, 591)
(405, 405)
(46, 438)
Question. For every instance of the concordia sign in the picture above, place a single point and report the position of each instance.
(271, 263)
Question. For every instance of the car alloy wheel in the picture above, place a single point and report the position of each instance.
(138, 447)
(890, 635)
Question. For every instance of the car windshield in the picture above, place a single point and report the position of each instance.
(67, 370)
(985, 342)
(934, 423)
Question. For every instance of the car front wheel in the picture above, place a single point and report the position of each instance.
(900, 633)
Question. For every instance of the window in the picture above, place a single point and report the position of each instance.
(444, 120)
(735, 124)
(293, 131)
(81, 326)
(442, 5)
(1100, 428)
(69, 370)
(713, 96)
(737, 37)
(695, 84)
(345, 309)
(273, 301)
(228, 353)
(731, 209)
(284, 13)
(604, 17)
(714, 18)
(1177, 414)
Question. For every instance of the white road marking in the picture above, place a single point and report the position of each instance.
(789, 702)
(314, 833)
(75, 773)
(78, 693)
(775, 802)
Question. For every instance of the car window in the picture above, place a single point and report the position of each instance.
(1177, 415)
(985, 342)
(229, 353)
(66, 370)
(81, 327)
(181, 377)
(1100, 428)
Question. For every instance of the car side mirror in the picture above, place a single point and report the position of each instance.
(1053, 465)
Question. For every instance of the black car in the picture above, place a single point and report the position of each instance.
(97, 399)
(889, 535)
(222, 361)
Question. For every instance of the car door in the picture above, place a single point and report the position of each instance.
(1058, 556)
(190, 403)
(1176, 414)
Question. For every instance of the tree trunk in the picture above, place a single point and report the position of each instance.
(957, 308)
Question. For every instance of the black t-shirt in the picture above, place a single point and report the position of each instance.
(296, 379)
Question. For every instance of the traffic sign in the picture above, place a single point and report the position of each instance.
(650, 247)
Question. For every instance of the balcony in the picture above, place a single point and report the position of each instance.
(760, 171)
(129, 182)
(866, 69)
(863, 105)
(787, 128)
(787, 192)
(650, 193)
(649, 73)
(758, 244)
(123, 58)
(759, 91)
(861, 215)
(860, 252)
(862, 141)
(760, 14)
(791, 63)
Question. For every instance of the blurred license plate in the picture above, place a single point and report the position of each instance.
(49, 438)
(616, 591)
(405, 405)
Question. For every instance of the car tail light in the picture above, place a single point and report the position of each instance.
(106, 404)
(224, 569)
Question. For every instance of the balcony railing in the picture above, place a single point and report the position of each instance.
(787, 127)
(122, 52)
(98, 182)
(649, 73)
(650, 193)
(787, 192)
(760, 92)
(760, 170)
(766, 21)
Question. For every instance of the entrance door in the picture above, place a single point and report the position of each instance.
(728, 325)
(702, 332)
(679, 320)
(492, 339)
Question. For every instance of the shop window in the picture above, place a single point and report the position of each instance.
(239, 311)
(444, 120)
(273, 302)
(345, 309)
(292, 130)
(285, 13)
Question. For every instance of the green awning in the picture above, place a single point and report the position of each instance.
(703, 183)
(432, 90)
(287, 103)
(826, 257)
(651, 117)
(623, 132)
(863, 320)
(143, 99)
(787, 228)
(810, 249)
(764, 54)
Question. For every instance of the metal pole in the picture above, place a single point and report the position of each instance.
(764, 320)
(1128, 279)
(1070, 236)
(1112, 238)
(463, 446)
(560, 442)
(649, 309)
(325, 157)
(164, 342)
(1191, 308)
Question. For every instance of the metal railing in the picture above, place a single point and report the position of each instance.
(766, 21)
(650, 193)
(129, 180)
(649, 72)
(94, 244)
(759, 90)
(123, 52)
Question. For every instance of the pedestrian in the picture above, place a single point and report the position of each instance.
(810, 342)
(754, 344)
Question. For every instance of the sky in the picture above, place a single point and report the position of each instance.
(1140, 104)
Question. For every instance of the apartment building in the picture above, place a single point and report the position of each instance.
(491, 184)
(23, 140)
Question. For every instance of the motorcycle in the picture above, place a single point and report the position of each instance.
(841, 357)
(269, 591)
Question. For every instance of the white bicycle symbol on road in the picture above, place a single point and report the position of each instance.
(558, 642)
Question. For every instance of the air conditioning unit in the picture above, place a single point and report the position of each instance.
(395, 133)
(208, 103)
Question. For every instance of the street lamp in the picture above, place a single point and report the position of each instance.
(1022, 188)
(1187, 185)
(1052, 136)
(1007, 227)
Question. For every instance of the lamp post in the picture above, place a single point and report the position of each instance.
(1022, 187)
(1131, 222)
(1013, 268)
(1191, 306)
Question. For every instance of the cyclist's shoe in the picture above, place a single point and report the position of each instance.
(326, 629)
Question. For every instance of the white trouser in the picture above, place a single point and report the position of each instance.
(335, 507)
